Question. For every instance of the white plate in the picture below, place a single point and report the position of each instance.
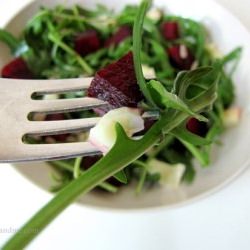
(228, 161)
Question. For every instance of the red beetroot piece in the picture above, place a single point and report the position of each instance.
(181, 57)
(87, 42)
(120, 35)
(197, 127)
(117, 84)
(170, 30)
(17, 69)
(89, 161)
(57, 117)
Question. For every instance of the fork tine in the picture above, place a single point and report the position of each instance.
(46, 152)
(69, 126)
(65, 126)
(66, 105)
(59, 86)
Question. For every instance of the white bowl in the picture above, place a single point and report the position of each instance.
(228, 161)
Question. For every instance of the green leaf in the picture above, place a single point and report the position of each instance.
(12, 42)
(55, 38)
(226, 86)
(233, 55)
(161, 58)
(201, 155)
(186, 78)
(183, 134)
(143, 175)
(226, 90)
(37, 62)
(165, 99)
(137, 45)
(121, 177)
(64, 165)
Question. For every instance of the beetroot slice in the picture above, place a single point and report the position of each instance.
(197, 127)
(170, 30)
(87, 42)
(117, 84)
(120, 35)
(179, 61)
(17, 69)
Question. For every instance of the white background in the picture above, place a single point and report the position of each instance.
(219, 222)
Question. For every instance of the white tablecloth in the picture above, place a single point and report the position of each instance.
(219, 222)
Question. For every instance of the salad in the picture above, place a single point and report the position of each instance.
(75, 42)
(143, 61)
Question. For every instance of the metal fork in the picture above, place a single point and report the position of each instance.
(15, 105)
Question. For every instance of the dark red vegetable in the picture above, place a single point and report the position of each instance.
(55, 117)
(87, 42)
(170, 30)
(197, 127)
(117, 84)
(120, 35)
(17, 69)
(89, 161)
(181, 57)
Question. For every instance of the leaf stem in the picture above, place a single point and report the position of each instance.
(142, 177)
(167, 140)
(9, 39)
(70, 51)
(202, 157)
(137, 46)
(70, 17)
(77, 165)
(64, 165)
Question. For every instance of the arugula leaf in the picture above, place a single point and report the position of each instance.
(164, 99)
(143, 174)
(100, 10)
(137, 46)
(37, 62)
(185, 79)
(233, 56)
(164, 68)
(35, 32)
(56, 39)
(226, 85)
(226, 90)
(16, 46)
(121, 177)
(201, 155)
(67, 166)
(12, 42)
(127, 16)
(184, 135)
